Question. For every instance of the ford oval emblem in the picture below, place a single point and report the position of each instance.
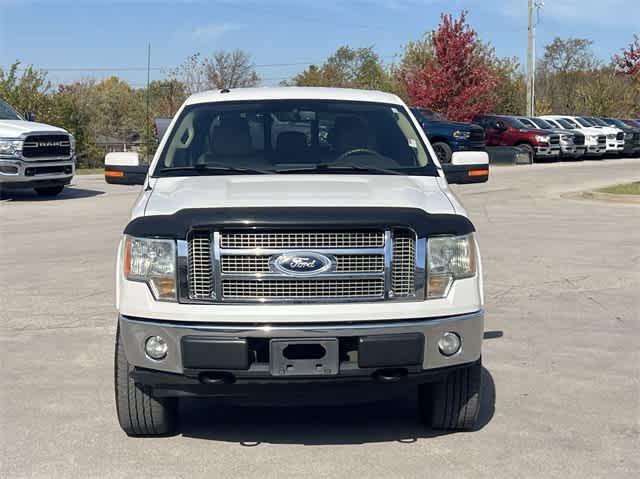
(302, 263)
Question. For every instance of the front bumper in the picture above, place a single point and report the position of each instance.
(547, 151)
(572, 151)
(24, 174)
(596, 150)
(615, 146)
(469, 327)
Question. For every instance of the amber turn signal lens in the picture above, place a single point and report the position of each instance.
(114, 174)
(478, 172)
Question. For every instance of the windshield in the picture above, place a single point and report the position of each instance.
(429, 114)
(528, 123)
(598, 121)
(616, 122)
(566, 123)
(273, 136)
(515, 123)
(8, 113)
(584, 122)
(542, 124)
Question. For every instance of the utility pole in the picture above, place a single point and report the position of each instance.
(531, 67)
(147, 125)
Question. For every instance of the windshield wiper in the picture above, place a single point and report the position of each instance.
(322, 167)
(212, 167)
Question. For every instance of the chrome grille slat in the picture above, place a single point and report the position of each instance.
(199, 266)
(305, 289)
(303, 240)
(403, 271)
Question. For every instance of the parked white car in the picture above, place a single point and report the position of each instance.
(596, 140)
(34, 155)
(330, 261)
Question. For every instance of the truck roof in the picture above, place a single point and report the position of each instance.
(293, 93)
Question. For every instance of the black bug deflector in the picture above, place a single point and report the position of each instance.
(180, 223)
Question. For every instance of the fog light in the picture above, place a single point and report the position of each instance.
(449, 344)
(156, 348)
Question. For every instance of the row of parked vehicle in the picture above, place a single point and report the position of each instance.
(544, 137)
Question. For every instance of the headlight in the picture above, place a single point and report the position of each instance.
(593, 140)
(628, 136)
(10, 147)
(461, 135)
(72, 141)
(152, 261)
(542, 139)
(567, 138)
(611, 136)
(449, 258)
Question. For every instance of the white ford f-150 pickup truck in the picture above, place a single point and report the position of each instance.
(34, 155)
(330, 261)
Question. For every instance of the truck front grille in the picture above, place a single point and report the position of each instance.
(46, 146)
(238, 266)
(620, 136)
(477, 135)
(554, 139)
(602, 140)
(578, 140)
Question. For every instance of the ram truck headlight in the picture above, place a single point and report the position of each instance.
(449, 258)
(611, 136)
(10, 147)
(72, 142)
(567, 138)
(152, 261)
(542, 139)
(461, 135)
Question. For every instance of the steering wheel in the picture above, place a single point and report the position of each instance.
(358, 151)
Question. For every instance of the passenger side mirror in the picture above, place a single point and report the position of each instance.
(29, 116)
(498, 125)
(467, 167)
(124, 168)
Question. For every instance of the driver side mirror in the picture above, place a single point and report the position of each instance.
(498, 125)
(467, 167)
(124, 168)
(29, 116)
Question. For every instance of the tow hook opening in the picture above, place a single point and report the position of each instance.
(216, 378)
(390, 375)
(304, 351)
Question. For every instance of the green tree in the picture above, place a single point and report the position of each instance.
(25, 88)
(347, 68)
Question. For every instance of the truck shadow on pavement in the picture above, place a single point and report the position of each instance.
(382, 421)
(67, 194)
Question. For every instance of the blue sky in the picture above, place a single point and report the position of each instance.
(65, 35)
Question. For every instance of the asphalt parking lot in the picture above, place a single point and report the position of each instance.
(562, 382)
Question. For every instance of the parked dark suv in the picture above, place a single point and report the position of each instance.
(449, 136)
(631, 135)
(502, 130)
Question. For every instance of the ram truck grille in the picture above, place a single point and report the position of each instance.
(240, 266)
(578, 140)
(46, 146)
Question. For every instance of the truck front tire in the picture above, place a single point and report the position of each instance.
(454, 402)
(139, 412)
(443, 151)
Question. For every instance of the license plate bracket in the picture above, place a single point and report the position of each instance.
(304, 357)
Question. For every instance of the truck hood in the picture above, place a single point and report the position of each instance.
(170, 195)
(17, 128)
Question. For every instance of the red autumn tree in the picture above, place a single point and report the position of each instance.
(456, 80)
(629, 62)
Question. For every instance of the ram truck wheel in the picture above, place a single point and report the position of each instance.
(454, 402)
(443, 151)
(49, 191)
(139, 412)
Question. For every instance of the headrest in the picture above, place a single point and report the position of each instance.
(291, 142)
(351, 133)
(231, 140)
